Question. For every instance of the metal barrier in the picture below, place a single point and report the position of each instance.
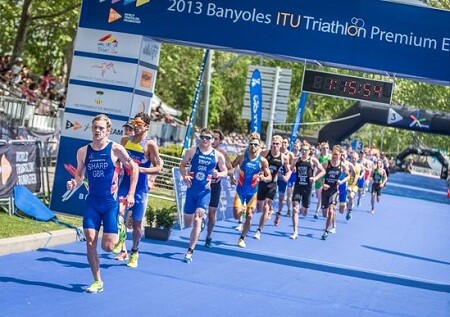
(21, 113)
(164, 186)
(13, 109)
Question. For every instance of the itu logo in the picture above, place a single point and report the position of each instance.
(418, 121)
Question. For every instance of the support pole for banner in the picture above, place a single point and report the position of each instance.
(298, 119)
(272, 107)
(198, 90)
(207, 89)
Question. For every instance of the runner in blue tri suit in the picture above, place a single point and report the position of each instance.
(100, 161)
(253, 168)
(216, 187)
(202, 161)
(282, 181)
(296, 153)
(145, 153)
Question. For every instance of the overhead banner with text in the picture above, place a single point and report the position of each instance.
(379, 36)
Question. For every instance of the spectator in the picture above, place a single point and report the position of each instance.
(47, 80)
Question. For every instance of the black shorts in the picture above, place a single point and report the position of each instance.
(376, 189)
(329, 197)
(303, 193)
(215, 194)
(267, 190)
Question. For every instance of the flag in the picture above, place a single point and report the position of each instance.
(198, 90)
(298, 119)
(255, 102)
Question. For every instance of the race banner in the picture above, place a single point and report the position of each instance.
(298, 119)
(20, 165)
(195, 102)
(255, 102)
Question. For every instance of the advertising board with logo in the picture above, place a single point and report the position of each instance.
(108, 43)
(103, 71)
(99, 100)
(79, 126)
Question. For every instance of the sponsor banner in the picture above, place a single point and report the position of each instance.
(7, 172)
(146, 79)
(20, 165)
(79, 126)
(150, 50)
(140, 104)
(412, 119)
(225, 208)
(108, 43)
(404, 41)
(103, 71)
(255, 102)
(98, 100)
(63, 200)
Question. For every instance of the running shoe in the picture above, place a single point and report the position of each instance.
(241, 243)
(349, 215)
(95, 287)
(288, 214)
(332, 230)
(294, 236)
(122, 256)
(122, 237)
(277, 219)
(316, 216)
(133, 260)
(257, 235)
(373, 210)
(188, 257)
(208, 242)
(240, 226)
(325, 235)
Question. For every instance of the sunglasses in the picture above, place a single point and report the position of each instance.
(253, 144)
(275, 143)
(206, 137)
(139, 122)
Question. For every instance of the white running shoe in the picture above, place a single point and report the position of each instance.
(294, 236)
(332, 230)
(240, 226)
(257, 235)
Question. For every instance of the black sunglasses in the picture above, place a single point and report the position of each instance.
(253, 144)
(206, 137)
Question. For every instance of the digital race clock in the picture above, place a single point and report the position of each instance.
(344, 86)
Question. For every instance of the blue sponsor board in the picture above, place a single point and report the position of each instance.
(255, 102)
(70, 201)
(379, 36)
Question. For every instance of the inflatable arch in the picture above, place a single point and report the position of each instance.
(424, 152)
(387, 115)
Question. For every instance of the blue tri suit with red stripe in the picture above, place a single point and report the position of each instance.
(201, 170)
(102, 204)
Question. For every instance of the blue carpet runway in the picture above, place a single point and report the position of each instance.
(394, 262)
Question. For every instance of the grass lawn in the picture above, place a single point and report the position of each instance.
(13, 226)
